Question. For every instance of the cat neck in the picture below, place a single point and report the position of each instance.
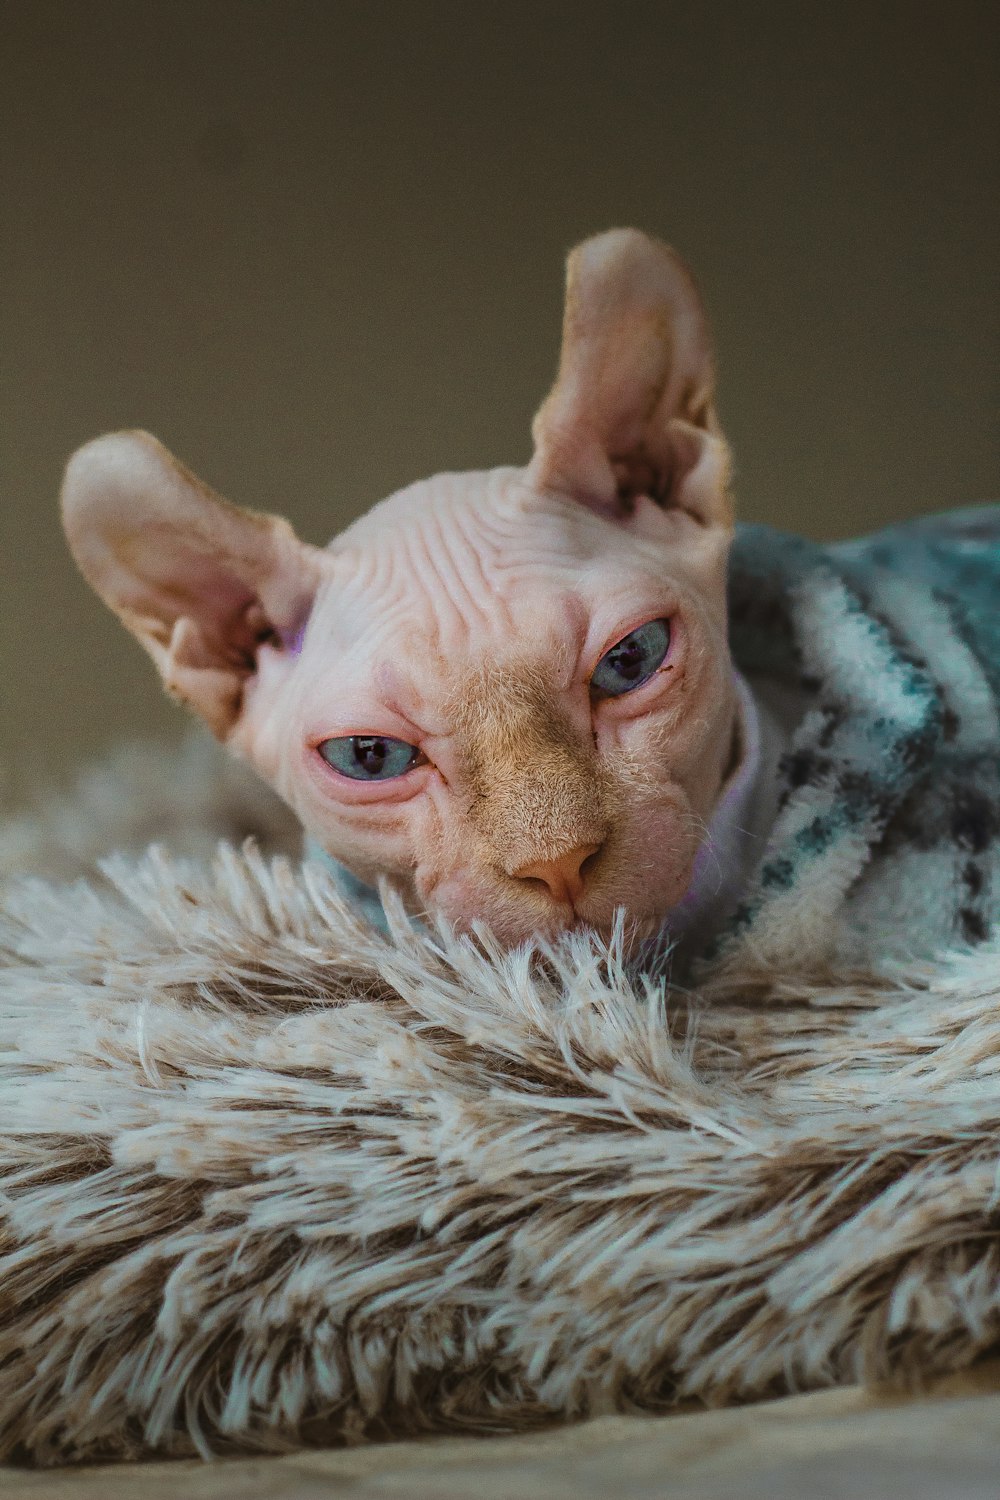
(738, 829)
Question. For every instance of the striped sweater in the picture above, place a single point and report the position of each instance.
(885, 841)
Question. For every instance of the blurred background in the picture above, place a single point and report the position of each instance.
(317, 249)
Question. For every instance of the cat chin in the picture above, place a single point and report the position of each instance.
(628, 930)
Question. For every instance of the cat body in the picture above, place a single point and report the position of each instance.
(539, 697)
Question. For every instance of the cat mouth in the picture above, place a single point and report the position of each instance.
(617, 924)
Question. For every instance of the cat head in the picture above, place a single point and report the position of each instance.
(510, 690)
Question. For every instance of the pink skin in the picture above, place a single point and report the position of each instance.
(481, 568)
(465, 616)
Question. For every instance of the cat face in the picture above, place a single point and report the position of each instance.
(510, 691)
(466, 617)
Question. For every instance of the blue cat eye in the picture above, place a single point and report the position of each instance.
(632, 660)
(369, 757)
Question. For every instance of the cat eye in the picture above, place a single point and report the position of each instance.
(632, 660)
(369, 757)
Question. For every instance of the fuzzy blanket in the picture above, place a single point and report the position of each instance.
(269, 1178)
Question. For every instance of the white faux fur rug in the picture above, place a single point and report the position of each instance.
(269, 1179)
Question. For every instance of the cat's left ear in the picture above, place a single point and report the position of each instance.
(633, 407)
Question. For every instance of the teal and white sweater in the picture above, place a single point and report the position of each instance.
(863, 825)
(874, 666)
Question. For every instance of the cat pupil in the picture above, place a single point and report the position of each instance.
(370, 754)
(628, 658)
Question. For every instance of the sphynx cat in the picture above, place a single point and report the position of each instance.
(513, 691)
(510, 690)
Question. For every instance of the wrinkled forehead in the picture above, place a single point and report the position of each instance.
(465, 564)
(496, 512)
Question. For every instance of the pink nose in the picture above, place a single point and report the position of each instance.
(563, 876)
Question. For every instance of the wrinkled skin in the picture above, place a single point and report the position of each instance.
(465, 616)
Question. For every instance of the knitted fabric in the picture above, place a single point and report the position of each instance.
(887, 839)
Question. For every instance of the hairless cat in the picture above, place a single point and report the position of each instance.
(514, 691)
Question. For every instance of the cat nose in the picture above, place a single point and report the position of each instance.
(563, 876)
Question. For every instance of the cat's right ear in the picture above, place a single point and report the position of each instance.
(199, 582)
(633, 407)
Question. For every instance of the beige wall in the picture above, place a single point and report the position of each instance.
(317, 249)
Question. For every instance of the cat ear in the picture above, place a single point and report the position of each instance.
(632, 410)
(200, 582)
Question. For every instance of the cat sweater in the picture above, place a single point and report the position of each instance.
(879, 662)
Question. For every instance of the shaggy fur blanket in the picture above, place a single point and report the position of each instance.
(270, 1178)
